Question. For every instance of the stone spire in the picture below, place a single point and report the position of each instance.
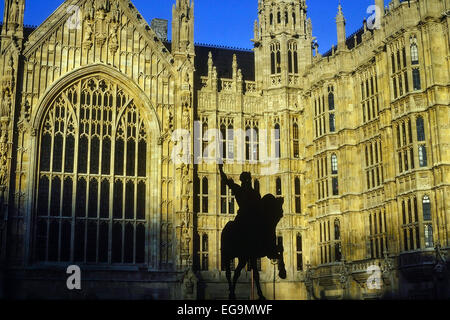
(340, 24)
(183, 27)
(13, 18)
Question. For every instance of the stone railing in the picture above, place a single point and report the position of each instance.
(275, 80)
(250, 86)
(293, 80)
(227, 85)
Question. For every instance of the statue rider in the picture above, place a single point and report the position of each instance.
(247, 198)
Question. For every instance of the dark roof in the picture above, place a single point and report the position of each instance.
(27, 30)
(350, 42)
(223, 61)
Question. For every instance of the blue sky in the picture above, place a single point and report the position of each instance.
(229, 22)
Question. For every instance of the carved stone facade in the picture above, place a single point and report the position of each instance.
(109, 143)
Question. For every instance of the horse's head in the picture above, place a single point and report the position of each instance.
(273, 207)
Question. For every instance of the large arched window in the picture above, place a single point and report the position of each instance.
(92, 177)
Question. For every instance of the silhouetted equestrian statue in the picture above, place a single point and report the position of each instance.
(252, 234)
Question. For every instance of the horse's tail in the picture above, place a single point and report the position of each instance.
(224, 247)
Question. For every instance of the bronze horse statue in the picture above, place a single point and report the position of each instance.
(248, 242)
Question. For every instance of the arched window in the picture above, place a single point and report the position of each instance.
(277, 141)
(331, 108)
(226, 199)
(275, 58)
(223, 137)
(95, 203)
(332, 118)
(334, 164)
(227, 141)
(298, 204)
(337, 238)
(334, 171)
(204, 252)
(296, 141)
(331, 101)
(428, 232)
(204, 197)
(279, 17)
(271, 18)
(423, 161)
(294, 20)
(414, 54)
(278, 190)
(337, 230)
(247, 143)
(278, 61)
(292, 57)
(416, 79)
(420, 129)
(299, 253)
(252, 143)
(426, 208)
(272, 63)
(205, 140)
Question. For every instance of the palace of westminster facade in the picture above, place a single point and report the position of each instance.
(100, 166)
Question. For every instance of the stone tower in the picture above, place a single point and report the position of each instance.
(282, 42)
(340, 25)
(183, 27)
(13, 19)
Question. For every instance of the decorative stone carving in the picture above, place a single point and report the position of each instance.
(184, 31)
(440, 267)
(6, 105)
(8, 80)
(186, 237)
(114, 27)
(88, 33)
(189, 285)
(14, 16)
(344, 275)
(3, 154)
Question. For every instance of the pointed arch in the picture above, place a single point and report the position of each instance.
(109, 151)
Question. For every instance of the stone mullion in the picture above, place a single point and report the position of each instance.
(63, 173)
(114, 127)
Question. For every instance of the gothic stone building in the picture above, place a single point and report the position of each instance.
(109, 140)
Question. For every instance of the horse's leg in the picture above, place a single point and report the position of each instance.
(281, 266)
(228, 274)
(237, 274)
(254, 265)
